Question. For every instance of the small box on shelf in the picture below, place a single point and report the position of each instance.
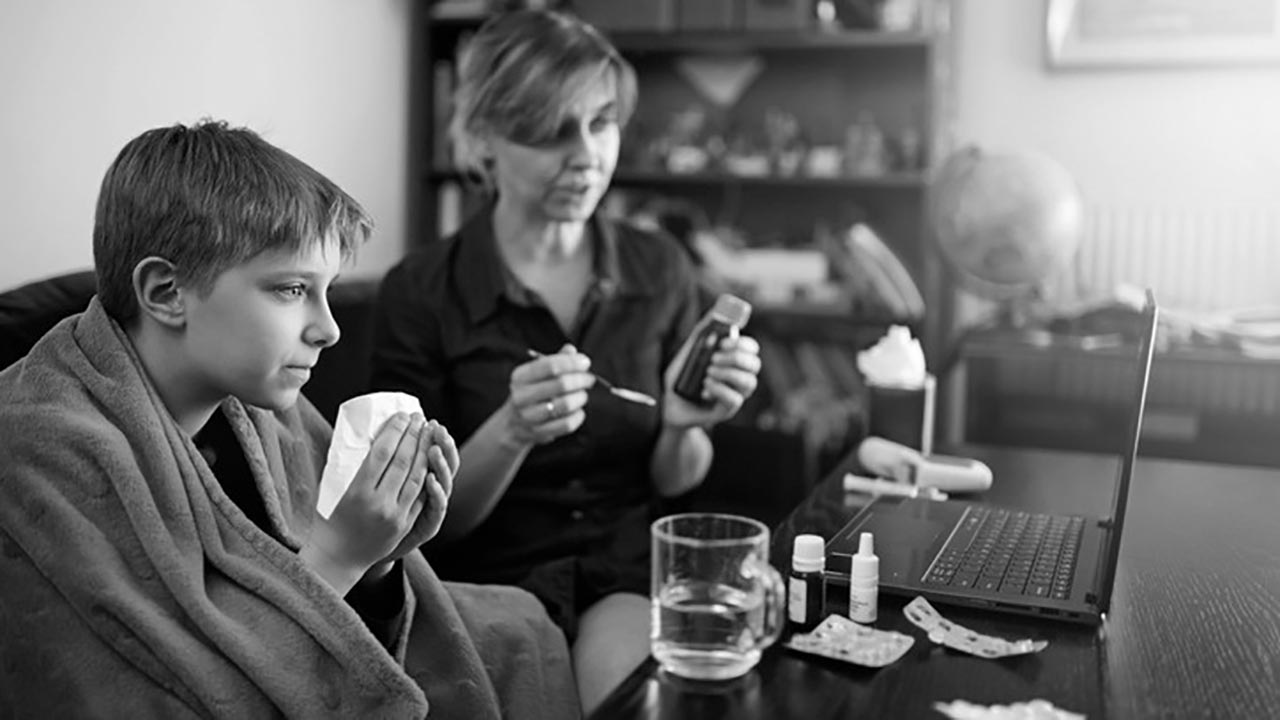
(629, 16)
(778, 15)
(709, 15)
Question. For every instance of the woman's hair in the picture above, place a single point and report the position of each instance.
(520, 74)
(208, 198)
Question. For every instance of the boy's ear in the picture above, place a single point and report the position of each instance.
(155, 286)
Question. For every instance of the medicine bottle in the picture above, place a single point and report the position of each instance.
(804, 586)
(864, 581)
(724, 320)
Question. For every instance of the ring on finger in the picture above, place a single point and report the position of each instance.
(551, 409)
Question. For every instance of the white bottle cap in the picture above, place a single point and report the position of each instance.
(864, 567)
(808, 553)
(732, 309)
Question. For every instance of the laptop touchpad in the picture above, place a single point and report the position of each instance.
(905, 544)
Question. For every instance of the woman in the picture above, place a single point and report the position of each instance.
(499, 329)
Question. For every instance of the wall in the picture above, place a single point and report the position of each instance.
(1152, 149)
(326, 80)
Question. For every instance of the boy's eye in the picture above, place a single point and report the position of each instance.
(292, 291)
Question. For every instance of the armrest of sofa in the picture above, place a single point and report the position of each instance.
(29, 311)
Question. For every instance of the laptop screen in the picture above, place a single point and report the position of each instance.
(1120, 502)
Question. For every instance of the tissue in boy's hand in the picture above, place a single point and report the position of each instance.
(358, 420)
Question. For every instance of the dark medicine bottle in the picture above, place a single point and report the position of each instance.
(804, 586)
(724, 320)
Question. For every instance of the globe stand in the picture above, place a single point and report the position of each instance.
(1017, 320)
(1014, 317)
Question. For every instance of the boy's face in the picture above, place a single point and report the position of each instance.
(261, 328)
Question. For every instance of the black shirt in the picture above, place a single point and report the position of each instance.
(452, 323)
(379, 604)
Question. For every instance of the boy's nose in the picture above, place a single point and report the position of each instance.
(323, 330)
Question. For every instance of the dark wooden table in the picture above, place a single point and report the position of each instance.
(1194, 627)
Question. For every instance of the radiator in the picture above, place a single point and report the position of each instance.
(1196, 259)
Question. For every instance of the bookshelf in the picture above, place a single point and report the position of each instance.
(827, 80)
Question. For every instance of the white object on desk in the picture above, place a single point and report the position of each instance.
(948, 473)
(879, 486)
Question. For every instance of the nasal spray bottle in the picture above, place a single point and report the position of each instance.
(724, 320)
(864, 581)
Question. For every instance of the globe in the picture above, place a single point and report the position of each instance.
(1004, 220)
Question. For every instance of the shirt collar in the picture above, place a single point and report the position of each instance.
(483, 278)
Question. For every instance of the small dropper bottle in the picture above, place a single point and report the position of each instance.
(804, 586)
(864, 581)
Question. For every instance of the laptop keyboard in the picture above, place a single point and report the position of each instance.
(1010, 552)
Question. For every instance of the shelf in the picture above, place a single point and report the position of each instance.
(826, 79)
(719, 42)
(625, 177)
(657, 177)
(632, 41)
(828, 313)
(1010, 344)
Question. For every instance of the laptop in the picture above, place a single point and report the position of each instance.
(1003, 559)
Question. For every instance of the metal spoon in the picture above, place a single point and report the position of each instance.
(627, 394)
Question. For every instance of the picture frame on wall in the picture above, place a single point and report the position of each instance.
(1161, 33)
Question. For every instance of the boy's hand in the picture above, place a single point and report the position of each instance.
(548, 395)
(731, 379)
(442, 463)
(384, 500)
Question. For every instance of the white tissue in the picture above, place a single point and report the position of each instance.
(358, 420)
(896, 360)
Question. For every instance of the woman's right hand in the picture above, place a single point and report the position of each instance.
(381, 505)
(548, 396)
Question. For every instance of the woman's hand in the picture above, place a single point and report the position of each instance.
(731, 379)
(382, 503)
(547, 397)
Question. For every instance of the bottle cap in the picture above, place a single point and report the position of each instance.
(733, 310)
(808, 553)
(865, 566)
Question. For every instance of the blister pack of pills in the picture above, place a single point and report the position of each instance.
(1033, 710)
(944, 632)
(839, 638)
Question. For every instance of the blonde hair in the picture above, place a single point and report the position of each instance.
(519, 76)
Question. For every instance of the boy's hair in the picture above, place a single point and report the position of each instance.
(208, 198)
(519, 75)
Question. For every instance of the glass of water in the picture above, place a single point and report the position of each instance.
(717, 603)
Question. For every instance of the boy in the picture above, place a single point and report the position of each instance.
(160, 553)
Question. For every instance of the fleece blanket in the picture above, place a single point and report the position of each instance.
(132, 586)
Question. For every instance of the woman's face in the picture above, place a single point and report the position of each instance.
(563, 179)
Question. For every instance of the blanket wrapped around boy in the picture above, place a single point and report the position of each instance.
(132, 586)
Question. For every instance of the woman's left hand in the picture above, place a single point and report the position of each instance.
(731, 379)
